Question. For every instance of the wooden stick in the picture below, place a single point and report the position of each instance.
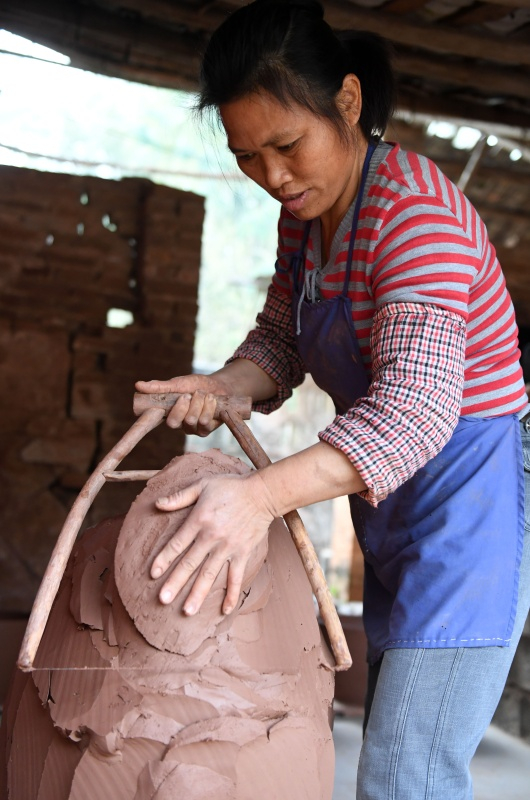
(55, 570)
(131, 475)
(306, 551)
(141, 402)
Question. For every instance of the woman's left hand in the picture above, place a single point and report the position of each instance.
(230, 517)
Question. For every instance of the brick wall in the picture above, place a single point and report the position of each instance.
(74, 247)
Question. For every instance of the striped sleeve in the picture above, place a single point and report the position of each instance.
(426, 254)
(414, 399)
(271, 345)
(290, 233)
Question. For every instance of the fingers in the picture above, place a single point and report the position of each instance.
(181, 499)
(191, 552)
(226, 524)
(186, 535)
(186, 567)
(210, 569)
(200, 416)
(178, 413)
(208, 572)
(208, 410)
(236, 573)
(171, 552)
(194, 413)
(195, 408)
(155, 387)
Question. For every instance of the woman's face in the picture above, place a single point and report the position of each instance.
(296, 156)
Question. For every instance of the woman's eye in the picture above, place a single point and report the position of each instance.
(284, 148)
(244, 157)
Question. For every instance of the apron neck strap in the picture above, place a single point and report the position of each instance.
(356, 213)
(298, 259)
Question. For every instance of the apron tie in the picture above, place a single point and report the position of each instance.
(299, 310)
(309, 290)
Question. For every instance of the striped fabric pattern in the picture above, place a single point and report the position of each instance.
(421, 241)
(413, 401)
(434, 320)
(414, 398)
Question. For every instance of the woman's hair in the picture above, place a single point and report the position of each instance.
(285, 48)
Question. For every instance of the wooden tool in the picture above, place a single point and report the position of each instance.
(142, 402)
(151, 410)
(229, 411)
(65, 542)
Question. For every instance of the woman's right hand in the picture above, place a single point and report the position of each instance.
(194, 410)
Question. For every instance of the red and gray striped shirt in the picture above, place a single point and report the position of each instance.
(431, 311)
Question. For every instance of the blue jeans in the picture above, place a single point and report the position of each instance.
(431, 708)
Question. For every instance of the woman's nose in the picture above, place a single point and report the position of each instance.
(276, 172)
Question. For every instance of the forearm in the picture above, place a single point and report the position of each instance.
(245, 378)
(414, 400)
(271, 347)
(321, 472)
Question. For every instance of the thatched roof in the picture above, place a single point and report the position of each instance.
(466, 60)
(469, 59)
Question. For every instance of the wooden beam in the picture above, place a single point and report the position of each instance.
(437, 38)
(413, 131)
(476, 14)
(206, 17)
(509, 215)
(498, 80)
(515, 264)
(106, 43)
(88, 26)
(343, 15)
(356, 582)
(443, 106)
(402, 7)
(127, 46)
(504, 174)
(509, 4)
(486, 172)
(213, 13)
(428, 36)
(136, 73)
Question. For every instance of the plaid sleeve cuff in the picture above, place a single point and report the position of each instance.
(414, 399)
(272, 347)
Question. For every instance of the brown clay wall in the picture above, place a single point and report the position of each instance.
(73, 247)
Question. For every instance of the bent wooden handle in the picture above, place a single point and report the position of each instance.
(65, 542)
(229, 411)
(141, 402)
(306, 551)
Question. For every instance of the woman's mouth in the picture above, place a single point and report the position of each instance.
(294, 202)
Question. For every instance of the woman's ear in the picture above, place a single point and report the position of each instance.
(349, 99)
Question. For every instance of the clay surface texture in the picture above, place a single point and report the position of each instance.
(133, 700)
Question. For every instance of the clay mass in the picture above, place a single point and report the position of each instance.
(133, 700)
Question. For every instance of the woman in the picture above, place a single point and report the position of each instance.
(389, 293)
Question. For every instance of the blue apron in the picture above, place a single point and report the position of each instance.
(442, 552)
